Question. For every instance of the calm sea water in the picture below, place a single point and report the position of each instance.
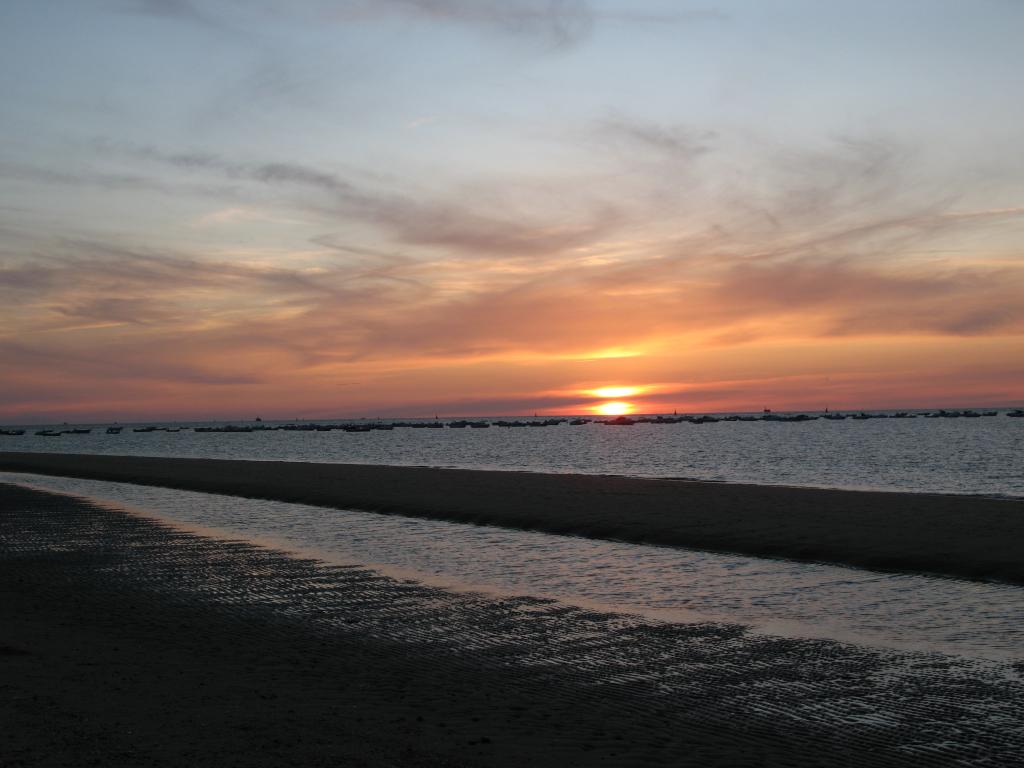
(904, 611)
(961, 456)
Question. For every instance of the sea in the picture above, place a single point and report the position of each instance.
(972, 456)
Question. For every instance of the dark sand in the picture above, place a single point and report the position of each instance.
(960, 536)
(124, 642)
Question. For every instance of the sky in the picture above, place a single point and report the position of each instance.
(313, 208)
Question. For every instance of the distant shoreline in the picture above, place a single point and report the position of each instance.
(965, 537)
(914, 411)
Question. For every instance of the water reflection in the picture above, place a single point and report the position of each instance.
(900, 611)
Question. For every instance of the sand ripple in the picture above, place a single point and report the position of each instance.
(628, 690)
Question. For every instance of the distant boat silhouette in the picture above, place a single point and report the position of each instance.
(620, 421)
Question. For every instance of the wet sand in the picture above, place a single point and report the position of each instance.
(124, 641)
(960, 536)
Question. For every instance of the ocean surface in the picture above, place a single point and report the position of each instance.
(898, 611)
(978, 456)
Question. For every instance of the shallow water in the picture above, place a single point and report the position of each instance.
(794, 599)
(963, 456)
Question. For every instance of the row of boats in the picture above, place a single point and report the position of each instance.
(785, 417)
(86, 431)
(619, 421)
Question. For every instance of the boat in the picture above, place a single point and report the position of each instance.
(114, 430)
(620, 421)
(1015, 414)
(12, 432)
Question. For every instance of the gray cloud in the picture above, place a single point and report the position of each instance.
(555, 24)
(267, 173)
(552, 24)
(455, 225)
(21, 172)
(676, 141)
(108, 268)
(690, 16)
(174, 10)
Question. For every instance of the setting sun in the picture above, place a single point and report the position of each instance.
(614, 408)
(614, 392)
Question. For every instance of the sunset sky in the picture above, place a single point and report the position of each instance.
(315, 208)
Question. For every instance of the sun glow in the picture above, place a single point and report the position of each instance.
(614, 408)
(614, 391)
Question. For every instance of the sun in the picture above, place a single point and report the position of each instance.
(614, 391)
(614, 408)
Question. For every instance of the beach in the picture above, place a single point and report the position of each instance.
(125, 641)
(966, 537)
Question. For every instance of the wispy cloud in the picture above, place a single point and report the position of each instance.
(832, 251)
(458, 225)
(172, 10)
(265, 216)
(555, 24)
(671, 141)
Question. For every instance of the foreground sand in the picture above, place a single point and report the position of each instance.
(961, 536)
(126, 642)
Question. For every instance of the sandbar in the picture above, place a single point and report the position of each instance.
(966, 537)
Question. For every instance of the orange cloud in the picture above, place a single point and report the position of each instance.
(820, 296)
